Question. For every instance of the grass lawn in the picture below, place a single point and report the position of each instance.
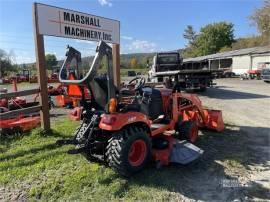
(34, 164)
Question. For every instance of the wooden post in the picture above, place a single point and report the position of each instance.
(41, 70)
(116, 64)
(251, 61)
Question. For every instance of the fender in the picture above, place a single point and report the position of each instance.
(116, 121)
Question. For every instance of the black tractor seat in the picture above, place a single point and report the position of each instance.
(151, 102)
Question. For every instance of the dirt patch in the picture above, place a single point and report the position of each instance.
(8, 194)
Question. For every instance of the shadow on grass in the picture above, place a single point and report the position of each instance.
(227, 156)
(7, 142)
(236, 147)
(8, 139)
(30, 151)
(31, 161)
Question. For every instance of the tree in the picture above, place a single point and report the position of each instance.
(50, 61)
(249, 42)
(190, 35)
(213, 37)
(261, 19)
(5, 63)
(133, 63)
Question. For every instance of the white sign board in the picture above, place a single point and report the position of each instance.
(60, 22)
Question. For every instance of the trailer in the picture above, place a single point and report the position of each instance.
(167, 68)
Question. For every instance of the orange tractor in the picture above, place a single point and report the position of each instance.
(130, 126)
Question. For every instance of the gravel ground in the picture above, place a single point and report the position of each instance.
(246, 111)
(244, 103)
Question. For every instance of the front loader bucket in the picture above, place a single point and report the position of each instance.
(184, 152)
(214, 119)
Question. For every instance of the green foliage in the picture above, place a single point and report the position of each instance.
(261, 19)
(6, 63)
(141, 58)
(249, 42)
(133, 63)
(51, 61)
(190, 35)
(211, 39)
(225, 48)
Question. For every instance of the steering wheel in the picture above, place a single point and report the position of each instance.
(138, 82)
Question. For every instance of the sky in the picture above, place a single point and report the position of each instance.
(145, 25)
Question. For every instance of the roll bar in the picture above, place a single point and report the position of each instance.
(103, 49)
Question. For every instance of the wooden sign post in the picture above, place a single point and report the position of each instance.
(60, 22)
(42, 73)
(116, 64)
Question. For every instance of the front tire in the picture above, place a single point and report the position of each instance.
(129, 151)
(188, 130)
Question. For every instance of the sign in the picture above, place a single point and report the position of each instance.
(61, 22)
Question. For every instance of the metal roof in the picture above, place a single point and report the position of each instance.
(230, 54)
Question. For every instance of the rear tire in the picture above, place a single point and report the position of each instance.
(129, 151)
(188, 130)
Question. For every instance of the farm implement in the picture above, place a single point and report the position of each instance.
(128, 127)
(17, 123)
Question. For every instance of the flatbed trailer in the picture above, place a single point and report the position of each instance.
(167, 68)
(187, 79)
(197, 79)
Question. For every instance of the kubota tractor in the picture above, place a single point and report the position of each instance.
(130, 126)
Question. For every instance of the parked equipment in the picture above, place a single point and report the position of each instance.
(266, 75)
(168, 68)
(128, 127)
(17, 123)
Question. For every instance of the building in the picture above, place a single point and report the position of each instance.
(237, 61)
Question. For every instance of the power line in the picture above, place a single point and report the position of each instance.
(50, 39)
(31, 46)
